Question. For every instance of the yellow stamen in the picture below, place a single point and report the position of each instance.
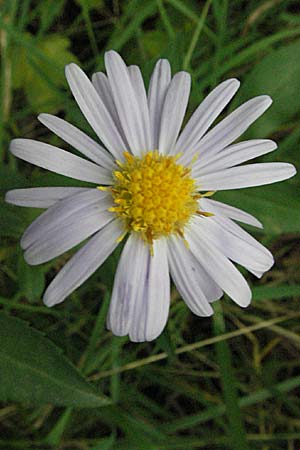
(154, 195)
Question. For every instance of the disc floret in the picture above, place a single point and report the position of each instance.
(154, 195)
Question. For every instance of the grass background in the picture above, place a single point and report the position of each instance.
(227, 382)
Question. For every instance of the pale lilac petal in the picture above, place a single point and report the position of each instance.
(265, 256)
(42, 197)
(158, 86)
(233, 126)
(59, 213)
(102, 86)
(59, 161)
(235, 243)
(173, 111)
(218, 266)
(78, 140)
(84, 263)
(126, 102)
(246, 176)
(231, 212)
(141, 295)
(232, 156)
(203, 117)
(95, 111)
(192, 282)
(66, 232)
(127, 285)
(152, 308)
(141, 96)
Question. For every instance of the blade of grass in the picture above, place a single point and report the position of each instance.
(200, 344)
(6, 75)
(220, 10)
(120, 37)
(246, 55)
(99, 327)
(54, 436)
(249, 400)
(191, 15)
(275, 292)
(237, 432)
(89, 27)
(165, 19)
(184, 9)
(197, 32)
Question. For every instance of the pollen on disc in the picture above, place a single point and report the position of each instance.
(154, 195)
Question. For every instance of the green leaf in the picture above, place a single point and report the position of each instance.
(33, 370)
(43, 84)
(11, 179)
(277, 206)
(275, 292)
(278, 76)
(154, 42)
(11, 221)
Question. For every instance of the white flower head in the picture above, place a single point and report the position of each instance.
(153, 184)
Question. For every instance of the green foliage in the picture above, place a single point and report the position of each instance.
(217, 384)
(237, 431)
(42, 87)
(90, 4)
(276, 206)
(34, 371)
(31, 280)
(277, 75)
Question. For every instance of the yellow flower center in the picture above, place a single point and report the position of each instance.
(154, 195)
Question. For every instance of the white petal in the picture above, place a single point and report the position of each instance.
(102, 86)
(233, 126)
(83, 264)
(158, 86)
(56, 215)
(75, 229)
(190, 278)
(266, 257)
(218, 266)
(126, 102)
(40, 197)
(95, 111)
(246, 176)
(235, 243)
(233, 155)
(173, 111)
(152, 308)
(231, 212)
(127, 285)
(140, 91)
(59, 161)
(78, 140)
(203, 117)
(141, 295)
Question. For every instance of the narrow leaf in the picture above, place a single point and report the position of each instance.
(34, 370)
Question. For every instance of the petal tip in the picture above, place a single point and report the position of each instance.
(48, 301)
(70, 69)
(267, 100)
(292, 170)
(14, 144)
(234, 82)
(7, 197)
(111, 54)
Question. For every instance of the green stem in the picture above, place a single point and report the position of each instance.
(199, 28)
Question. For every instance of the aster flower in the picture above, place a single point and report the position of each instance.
(152, 184)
